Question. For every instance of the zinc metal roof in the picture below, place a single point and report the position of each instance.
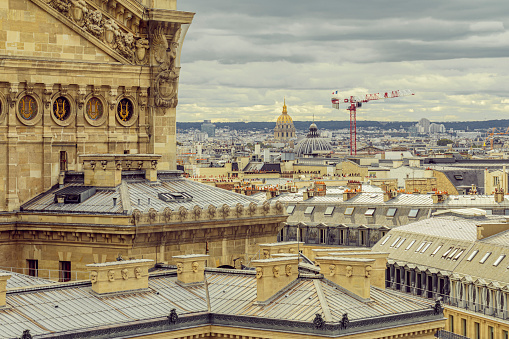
(22, 280)
(73, 307)
(140, 192)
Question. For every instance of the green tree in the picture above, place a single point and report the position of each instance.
(444, 142)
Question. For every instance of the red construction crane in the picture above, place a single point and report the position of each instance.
(357, 102)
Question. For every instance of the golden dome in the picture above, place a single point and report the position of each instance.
(284, 118)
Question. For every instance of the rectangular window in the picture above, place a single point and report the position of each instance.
(391, 212)
(63, 161)
(464, 327)
(410, 245)
(33, 267)
(495, 181)
(505, 335)
(499, 260)
(426, 247)
(506, 212)
(322, 236)
(472, 255)
(436, 250)
(309, 210)
(370, 212)
(395, 241)
(451, 323)
(491, 332)
(486, 256)
(65, 271)
(413, 213)
(329, 210)
(385, 240)
(349, 211)
(400, 243)
(290, 209)
(420, 246)
(458, 177)
(477, 331)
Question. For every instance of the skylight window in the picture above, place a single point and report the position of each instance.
(486, 256)
(349, 210)
(395, 241)
(456, 257)
(329, 210)
(452, 253)
(472, 255)
(436, 250)
(426, 247)
(370, 212)
(400, 243)
(447, 252)
(391, 212)
(458, 177)
(420, 246)
(413, 213)
(290, 209)
(410, 245)
(499, 260)
(309, 210)
(385, 240)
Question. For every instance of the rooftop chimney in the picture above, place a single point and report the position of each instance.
(499, 195)
(274, 274)
(352, 274)
(3, 288)
(118, 276)
(377, 276)
(191, 268)
(268, 250)
(388, 195)
(105, 170)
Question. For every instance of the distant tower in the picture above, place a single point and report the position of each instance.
(284, 130)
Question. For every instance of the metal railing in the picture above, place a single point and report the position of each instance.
(443, 334)
(486, 309)
(53, 275)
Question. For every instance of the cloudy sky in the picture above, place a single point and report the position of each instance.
(241, 58)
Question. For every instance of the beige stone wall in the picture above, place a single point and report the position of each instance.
(443, 183)
(455, 315)
(47, 55)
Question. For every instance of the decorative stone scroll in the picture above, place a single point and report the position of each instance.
(166, 80)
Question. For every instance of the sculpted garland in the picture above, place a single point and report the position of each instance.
(104, 29)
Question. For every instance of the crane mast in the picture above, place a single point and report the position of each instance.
(355, 102)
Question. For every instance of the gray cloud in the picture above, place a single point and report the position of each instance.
(240, 58)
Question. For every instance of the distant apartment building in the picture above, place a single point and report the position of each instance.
(209, 128)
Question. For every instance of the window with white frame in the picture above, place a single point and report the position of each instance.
(472, 255)
(349, 210)
(290, 209)
(410, 245)
(391, 212)
(369, 212)
(309, 210)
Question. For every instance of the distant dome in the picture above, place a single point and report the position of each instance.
(313, 144)
(284, 130)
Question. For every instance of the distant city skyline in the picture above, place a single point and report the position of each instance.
(240, 59)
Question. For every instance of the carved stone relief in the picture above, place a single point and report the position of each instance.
(108, 30)
(166, 80)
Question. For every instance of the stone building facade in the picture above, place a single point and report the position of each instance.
(84, 76)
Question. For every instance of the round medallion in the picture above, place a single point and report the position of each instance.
(61, 108)
(27, 107)
(125, 110)
(94, 109)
